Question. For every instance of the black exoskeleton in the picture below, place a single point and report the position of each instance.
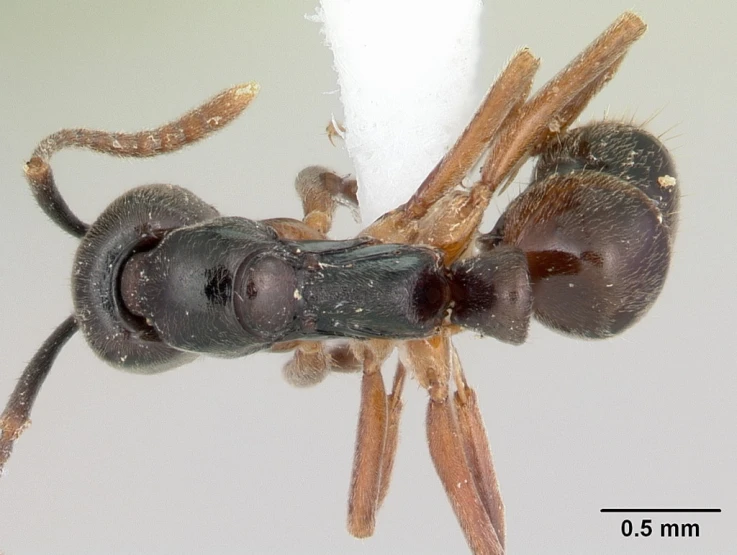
(161, 277)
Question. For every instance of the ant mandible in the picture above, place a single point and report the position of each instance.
(160, 277)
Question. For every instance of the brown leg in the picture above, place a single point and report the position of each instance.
(477, 449)
(506, 95)
(452, 223)
(559, 102)
(394, 402)
(191, 127)
(431, 362)
(313, 360)
(370, 443)
(378, 426)
(447, 219)
(294, 230)
(16, 416)
(321, 192)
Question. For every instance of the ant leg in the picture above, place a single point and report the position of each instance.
(394, 402)
(504, 98)
(476, 446)
(368, 460)
(313, 360)
(321, 192)
(15, 417)
(191, 127)
(452, 224)
(451, 447)
(558, 103)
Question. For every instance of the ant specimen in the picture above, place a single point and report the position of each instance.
(160, 277)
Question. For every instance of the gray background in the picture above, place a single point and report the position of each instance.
(223, 456)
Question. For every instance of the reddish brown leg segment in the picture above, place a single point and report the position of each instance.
(478, 455)
(452, 222)
(431, 361)
(506, 95)
(448, 454)
(308, 366)
(368, 458)
(477, 449)
(394, 402)
(313, 360)
(560, 101)
(321, 191)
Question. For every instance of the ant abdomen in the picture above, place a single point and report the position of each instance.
(596, 225)
(622, 150)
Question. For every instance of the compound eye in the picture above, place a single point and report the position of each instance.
(266, 297)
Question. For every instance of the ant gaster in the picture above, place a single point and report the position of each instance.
(161, 277)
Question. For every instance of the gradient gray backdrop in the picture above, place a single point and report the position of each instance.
(225, 457)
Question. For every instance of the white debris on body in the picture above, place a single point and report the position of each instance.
(406, 73)
(666, 181)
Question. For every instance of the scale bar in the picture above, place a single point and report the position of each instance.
(661, 510)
